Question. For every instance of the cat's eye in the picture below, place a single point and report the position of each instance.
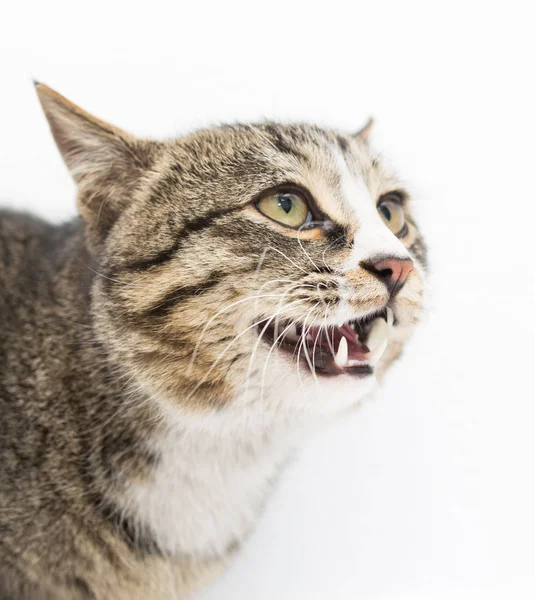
(392, 214)
(287, 207)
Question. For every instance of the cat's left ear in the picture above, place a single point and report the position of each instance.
(104, 161)
(364, 133)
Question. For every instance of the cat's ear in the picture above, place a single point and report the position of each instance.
(364, 133)
(104, 161)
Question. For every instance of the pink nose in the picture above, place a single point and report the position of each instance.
(393, 272)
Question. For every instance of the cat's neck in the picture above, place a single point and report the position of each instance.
(209, 483)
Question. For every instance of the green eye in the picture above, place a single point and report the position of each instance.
(289, 208)
(392, 214)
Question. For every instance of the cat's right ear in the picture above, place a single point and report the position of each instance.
(364, 133)
(104, 161)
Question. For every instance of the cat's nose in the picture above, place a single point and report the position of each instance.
(392, 271)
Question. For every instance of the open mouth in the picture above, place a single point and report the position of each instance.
(353, 348)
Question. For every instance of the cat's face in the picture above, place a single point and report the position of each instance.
(273, 268)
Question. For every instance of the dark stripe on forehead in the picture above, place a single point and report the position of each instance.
(286, 144)
(342, 143)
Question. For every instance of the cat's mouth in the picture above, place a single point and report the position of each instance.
(353, 348)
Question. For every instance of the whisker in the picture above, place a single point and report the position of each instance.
(219, 312)
(303, 248)
(328, 247)
(326, 307)
(302, 344)
(287, 258)
(127, 283)
(249, 367)
(273, 346)
(329, 341)
(297, 285)
(234, 340)
(260, 262)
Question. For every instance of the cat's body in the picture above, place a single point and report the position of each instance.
(139, 439)
(62, 449)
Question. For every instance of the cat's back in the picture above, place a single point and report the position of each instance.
(34, 290)
(28, 314)
(25, 246)
(36, 307)
(24, 258)
(34, 349)
(58, 539)
(33, 254)
(26, 284)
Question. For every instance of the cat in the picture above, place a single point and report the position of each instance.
(164, 354)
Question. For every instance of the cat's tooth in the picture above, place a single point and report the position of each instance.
(374, 356)
(389, 316)
(341, 356)
(357, 363)
(292, 332)
(378, 334)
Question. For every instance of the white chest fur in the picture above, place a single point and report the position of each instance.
(206, 493)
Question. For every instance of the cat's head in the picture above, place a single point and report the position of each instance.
(262, 268)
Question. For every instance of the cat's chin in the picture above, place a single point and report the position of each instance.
(353, 348)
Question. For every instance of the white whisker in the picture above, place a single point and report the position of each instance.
(234, 340)
(273, 346)
(328, 248)
(303, 344)
(127, 283)
(257, 343)
(303, 248)
(287, 258)
(219, 312)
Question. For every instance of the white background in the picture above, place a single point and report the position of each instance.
(428, 492)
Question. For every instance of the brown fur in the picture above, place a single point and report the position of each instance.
(100, 310)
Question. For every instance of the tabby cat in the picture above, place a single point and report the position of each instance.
(163, 355)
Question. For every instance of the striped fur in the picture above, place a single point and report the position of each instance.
(144, 420)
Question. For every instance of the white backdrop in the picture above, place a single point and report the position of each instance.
(428, 491)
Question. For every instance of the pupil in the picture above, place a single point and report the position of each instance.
(285, 202)
(386, 212)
